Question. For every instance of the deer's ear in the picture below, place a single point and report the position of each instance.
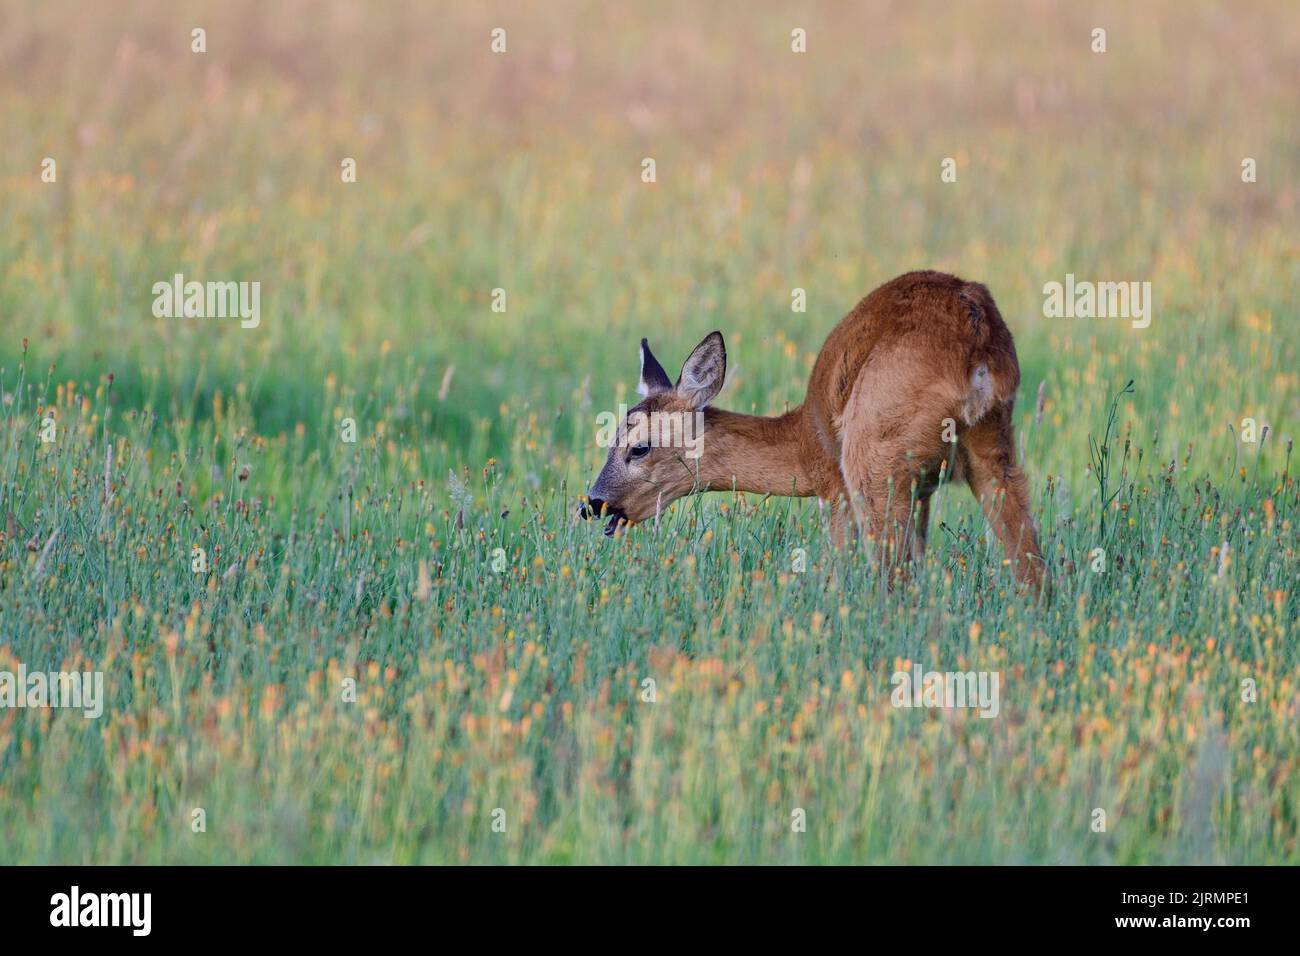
(653, 377)
(704, 371)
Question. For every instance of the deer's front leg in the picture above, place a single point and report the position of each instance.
(842, 520)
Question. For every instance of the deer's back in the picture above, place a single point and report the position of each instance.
(935, 327)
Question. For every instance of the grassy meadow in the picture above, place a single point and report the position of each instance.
(395, 643)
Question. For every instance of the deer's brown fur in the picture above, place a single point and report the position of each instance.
(868, 439)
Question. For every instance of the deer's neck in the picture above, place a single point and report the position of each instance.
(755, 453)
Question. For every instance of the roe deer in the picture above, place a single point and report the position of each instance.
(922, 354)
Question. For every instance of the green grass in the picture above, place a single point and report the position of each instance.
(522, 688)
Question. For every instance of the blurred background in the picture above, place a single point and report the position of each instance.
(522, 171)
(500, 646)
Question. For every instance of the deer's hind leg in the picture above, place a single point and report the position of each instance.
(988, 453)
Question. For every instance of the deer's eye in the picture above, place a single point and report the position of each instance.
(639, 451)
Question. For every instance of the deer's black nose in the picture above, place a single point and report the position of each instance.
(591, 508)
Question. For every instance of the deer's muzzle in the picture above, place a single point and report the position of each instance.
(599, 507)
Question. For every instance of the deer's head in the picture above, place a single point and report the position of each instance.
(655, 451)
